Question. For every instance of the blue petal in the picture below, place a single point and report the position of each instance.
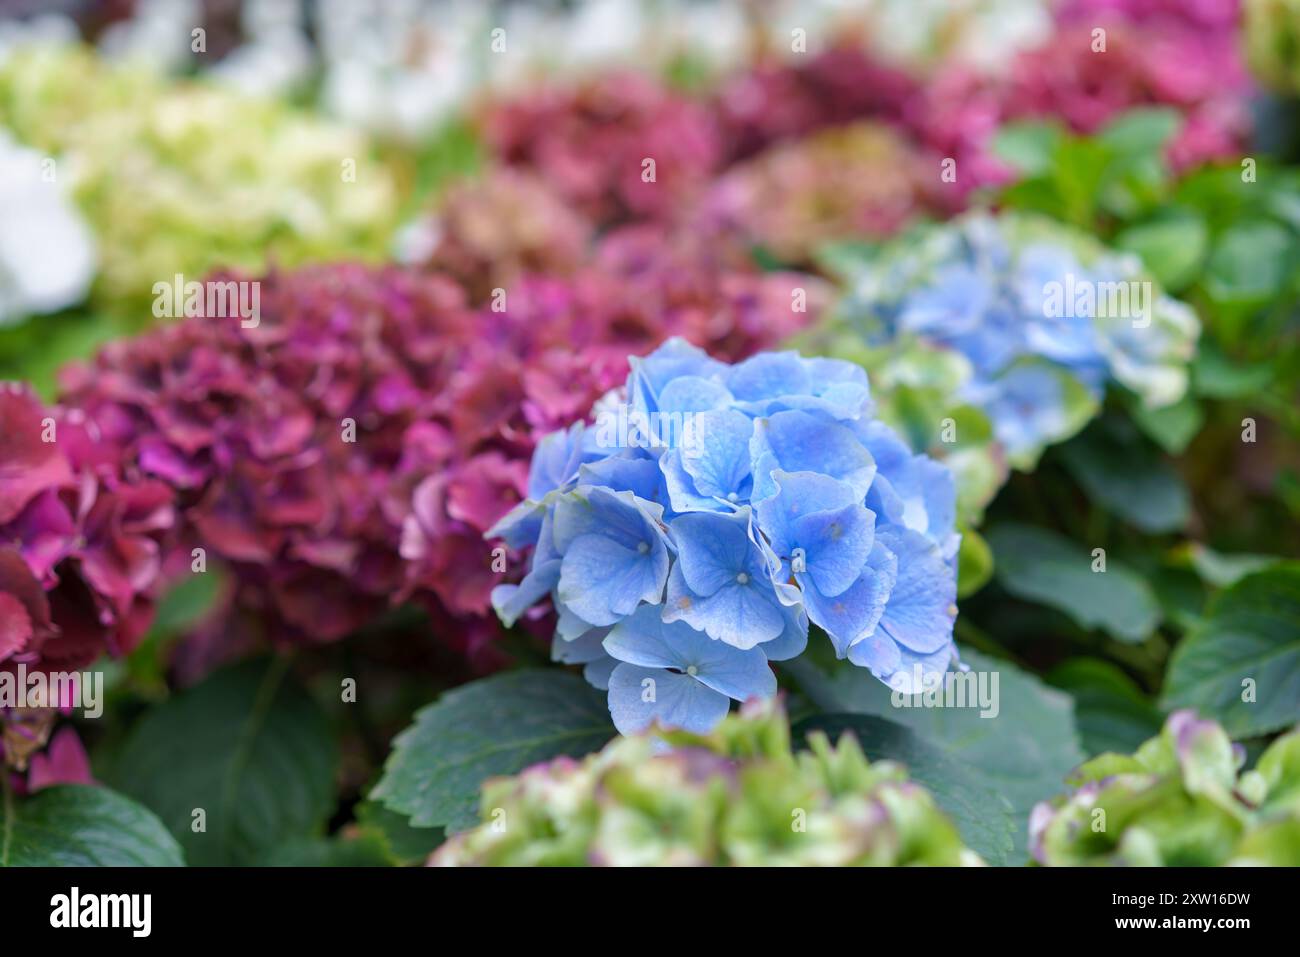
(675, 358)
(677, 701)
(878, 653)
(803, 442)
(856, 612)
(569, 626)
(824, 518)
(511, 601)
(683, 496)
(716, 453)
(741, 615)
(632, 472)
(714, 548)
(520, 526)
(922, 605)
(555, 461)
(915, 670)
(602, 580)
(692, 393)
(953, 303)
(586, 647)
(644, 638)
(912, 489)
(649, 642)
(597, 672)
(619, 516)
(793, 640)
(769, 375)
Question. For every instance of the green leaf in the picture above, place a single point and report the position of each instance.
(496, 726)
(845, 258)
(77, 825)
(1042, 566)
(1172, 427)
(1171, 248)
(403, 843)
(1127, 477)
(1111, 711)
(1028, 146)
(1216, 376)
(1142, 131)
(192, 597)
(1023, 751)
(984, 817)
(974, 563)
(361, 850)
(1222, 569)
(1249, 264)
(1250, 631)
(250, 748)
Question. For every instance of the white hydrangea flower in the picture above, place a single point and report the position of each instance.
(47, 252)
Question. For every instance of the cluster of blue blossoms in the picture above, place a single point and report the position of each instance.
(689, 535)
(1045, 317)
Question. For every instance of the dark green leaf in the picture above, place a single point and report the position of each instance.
(496, 726)
(974, 563)
(1216, 376)
(1124, 475)
(76, 825)
(362, 850)
(1027, 146)
(403, 843)
(1241, 666)
(1023, 749)
(1041, 566)
(247, 746)
(1112, 712)
(1171, 248)
(1142, 131)
(1172, 427)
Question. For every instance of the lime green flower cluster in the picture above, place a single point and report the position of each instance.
(738, 796)
(1272, 32)
(1177, 801)
(180, 177)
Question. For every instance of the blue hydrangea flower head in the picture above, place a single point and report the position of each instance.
(1044, 317)
(710, 514)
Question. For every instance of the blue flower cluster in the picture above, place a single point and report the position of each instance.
(1045, 317)
(689, 534)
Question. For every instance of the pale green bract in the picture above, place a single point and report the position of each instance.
(738, 796)
(183, 177)
(1180, 800)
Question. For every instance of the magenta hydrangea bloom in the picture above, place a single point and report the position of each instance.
(489, 231)
(1152, 57)
(853, 182)
(81, 539)
(349, 451)
(591, 143)
(778, 100)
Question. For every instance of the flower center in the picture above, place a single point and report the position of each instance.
(643, 548)
(692, 670)
(732, 497)
(743, 578)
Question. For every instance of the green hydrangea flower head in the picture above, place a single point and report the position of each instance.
(183, 176)
(1180, 800)
(737, 796)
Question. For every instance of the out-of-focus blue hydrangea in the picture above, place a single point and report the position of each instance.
(689, 534)
(1045, 317)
